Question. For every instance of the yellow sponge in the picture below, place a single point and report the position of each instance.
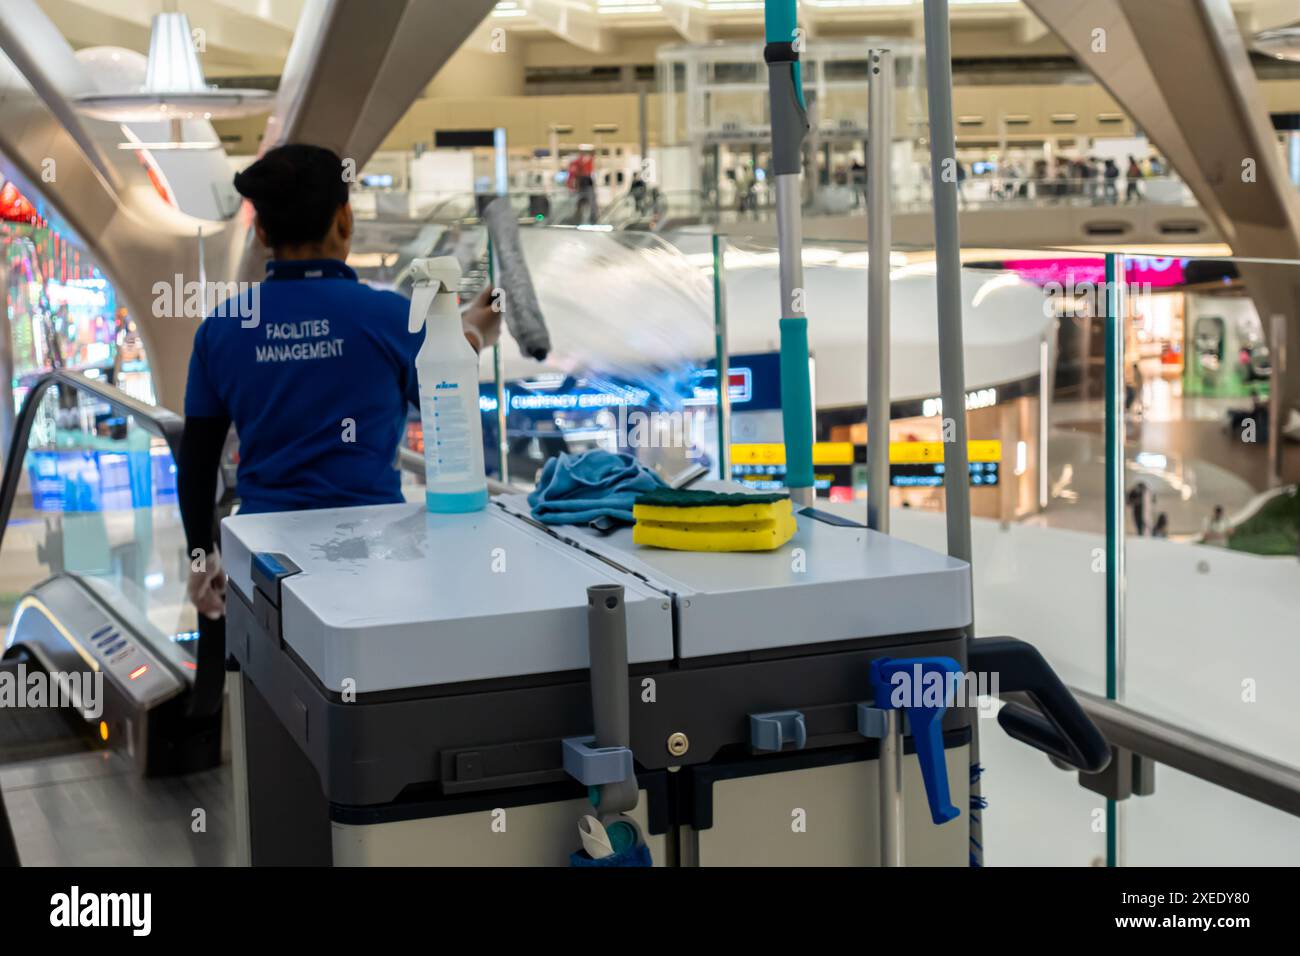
(711, 521)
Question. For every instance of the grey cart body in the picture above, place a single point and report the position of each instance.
(403, 684)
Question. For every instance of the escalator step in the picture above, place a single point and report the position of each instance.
(29, 733)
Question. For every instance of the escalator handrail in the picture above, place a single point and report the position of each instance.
(209, 675)
(155, 419)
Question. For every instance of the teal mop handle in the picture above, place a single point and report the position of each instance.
(789, 126)
(796, 402)
(780, 20)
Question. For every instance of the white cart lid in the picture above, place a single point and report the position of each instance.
(830, 582)
(394, 597)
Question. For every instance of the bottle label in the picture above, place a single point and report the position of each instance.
(448, 434)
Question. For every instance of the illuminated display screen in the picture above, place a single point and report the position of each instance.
(913, 464)
(982, 473)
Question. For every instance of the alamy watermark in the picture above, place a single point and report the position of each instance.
(75, 908)
(676, 429)
(82, 690)
(1076, 298)
(197, 300)
(919, 687)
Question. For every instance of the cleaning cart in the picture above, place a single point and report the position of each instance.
(489, 689)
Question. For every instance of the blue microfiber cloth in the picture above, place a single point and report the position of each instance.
(597, 484)
(637, 855)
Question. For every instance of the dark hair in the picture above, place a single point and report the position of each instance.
(296, 190)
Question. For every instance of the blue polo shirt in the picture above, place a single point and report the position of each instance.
(316, 370)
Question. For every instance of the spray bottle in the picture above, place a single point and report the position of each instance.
(447, 367)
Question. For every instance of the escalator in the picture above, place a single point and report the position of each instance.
(103, 655)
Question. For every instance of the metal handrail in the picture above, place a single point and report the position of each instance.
(156, 420)
(412, 461)
(1258, 778)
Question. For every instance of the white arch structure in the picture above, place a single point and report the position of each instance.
(352, 70)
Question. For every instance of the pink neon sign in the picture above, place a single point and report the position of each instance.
(1155, 271)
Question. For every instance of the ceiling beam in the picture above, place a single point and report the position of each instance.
(1270, 14)
(1029, 29)
(572, 21)
(688, 18)
(283, 14)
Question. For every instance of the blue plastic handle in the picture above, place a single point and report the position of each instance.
(913, 684)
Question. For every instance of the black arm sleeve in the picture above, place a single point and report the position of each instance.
(196, 478)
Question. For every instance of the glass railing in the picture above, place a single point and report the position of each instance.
(554, 206)
(1105, 433)
(90, 490)
(1174, 590)
(977, 192)
(656, 209)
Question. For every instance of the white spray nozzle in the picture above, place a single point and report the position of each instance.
(445, 270)
(432, 277)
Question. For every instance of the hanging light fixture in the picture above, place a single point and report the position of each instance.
(174, 91)
(1281, 44)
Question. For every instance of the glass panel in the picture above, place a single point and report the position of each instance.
(1037, 814)
(1213, 584)
(1188, 822)
(97, 499)
(1031, 328)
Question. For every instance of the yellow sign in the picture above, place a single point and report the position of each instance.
(765, 454)
(931, 452)
(771, 453)
(841, 452)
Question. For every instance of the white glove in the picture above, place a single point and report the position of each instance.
(206, 588)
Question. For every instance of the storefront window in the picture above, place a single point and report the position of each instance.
(60, 311)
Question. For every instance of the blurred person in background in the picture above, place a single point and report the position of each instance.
(1132, 179)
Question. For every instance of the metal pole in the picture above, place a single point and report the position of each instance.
(1114, 389)
(203, 268)
(501, 165)
(642, 125)
(723, 358)
(952, 361)
(499, 382)
(1115, 531)
(7, 411)
(891, 789)
(1044, 385)
(555, 157)
(1276, 407)
(880, 117)
(789, 127)
(947, 241)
